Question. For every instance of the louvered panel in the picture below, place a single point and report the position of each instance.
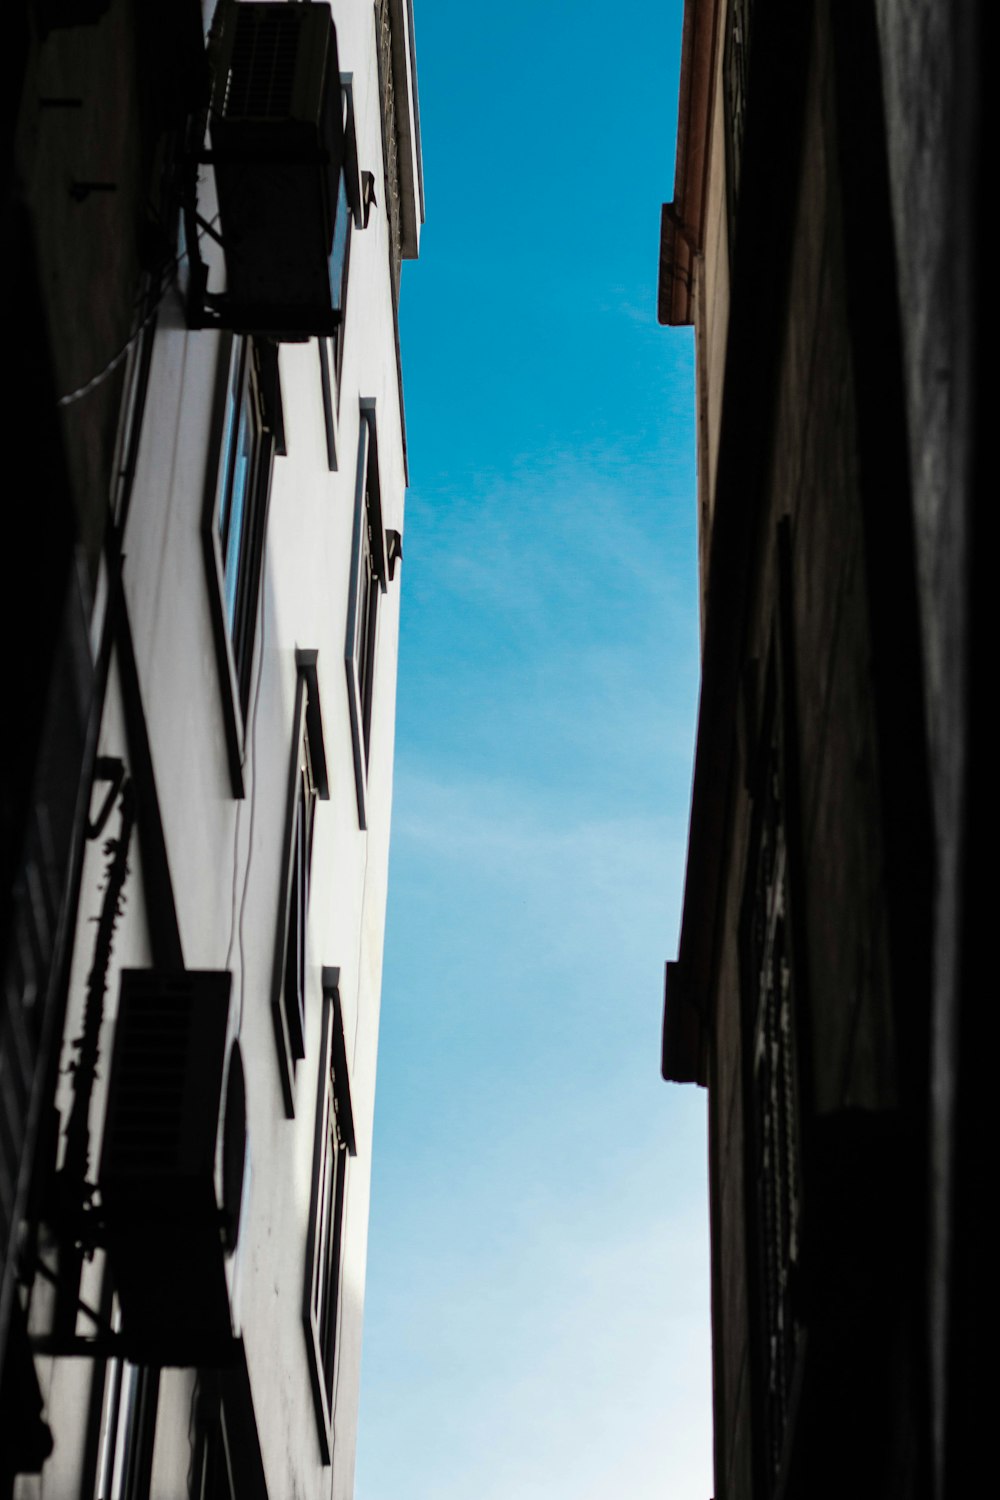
(278, 139)
(14, 1092)
(11, 1136)
(163, 1218)
(18, 1055)
(166, 1080)
(262, 69)
(152, 1058)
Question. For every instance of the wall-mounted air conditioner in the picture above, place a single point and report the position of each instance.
(172, 1166)
(277, 137)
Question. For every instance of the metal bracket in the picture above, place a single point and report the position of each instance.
(104, 1346)
(100, 1323)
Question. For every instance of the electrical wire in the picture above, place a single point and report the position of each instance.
(112, 365)
(232, 904)
(115, 361)
(338, 1345)
(253, 758)
(361, 929)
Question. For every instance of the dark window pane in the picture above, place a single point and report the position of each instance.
(242, 474)
(341, 244)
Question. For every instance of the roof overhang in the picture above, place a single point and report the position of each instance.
(410, 158)
(682, 222)
(685, 1039)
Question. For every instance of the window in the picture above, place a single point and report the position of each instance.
(340, 257)
(223, 1458)
(307, 785)
(772, 1125)
(771, 984)
(294, 987)
(347, 217)
(367, 584)
(736, 73)
(240, 503)
(118, 1435)
(128, 1420)
(334, 1143)
(250, 433)
(212, 1472)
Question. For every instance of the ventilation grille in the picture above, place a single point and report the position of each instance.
(166, 1076)
(261, 79)
(152, 1053)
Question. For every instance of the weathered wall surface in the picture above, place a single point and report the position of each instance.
(918, 70)
(845, 1036)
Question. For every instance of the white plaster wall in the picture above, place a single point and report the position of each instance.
(65, 1383)
(210, 835)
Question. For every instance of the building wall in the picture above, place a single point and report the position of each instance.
(935, 62)
(225, 853)
(831, 434)
(845, 1026)
(712, 317)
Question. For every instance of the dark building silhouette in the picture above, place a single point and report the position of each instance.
(826, 241)
(205, 207)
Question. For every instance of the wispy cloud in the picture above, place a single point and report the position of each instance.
(535, 534)
(552, 1326)
(582, 1364)
(537, 1321)
(576, 876)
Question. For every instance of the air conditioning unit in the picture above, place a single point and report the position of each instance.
(172, 1166)
(277, 136)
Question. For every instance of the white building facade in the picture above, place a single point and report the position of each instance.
(191, 1276)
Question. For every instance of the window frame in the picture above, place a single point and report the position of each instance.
(116, 1460)
(774, 1021)
(322, 1300)
(128, 1406)
(247, 383)
(307, 785)
(772, 1139)
(368, 582)
(348, 211)
(226, 1444)
(735, 78)
(213, 1471)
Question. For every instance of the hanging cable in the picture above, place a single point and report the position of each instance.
(253, 768)
(115, 361)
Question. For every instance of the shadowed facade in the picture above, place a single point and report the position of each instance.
(824, 240)
(205, 212)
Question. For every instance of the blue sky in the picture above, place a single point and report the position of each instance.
(537, 1306)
